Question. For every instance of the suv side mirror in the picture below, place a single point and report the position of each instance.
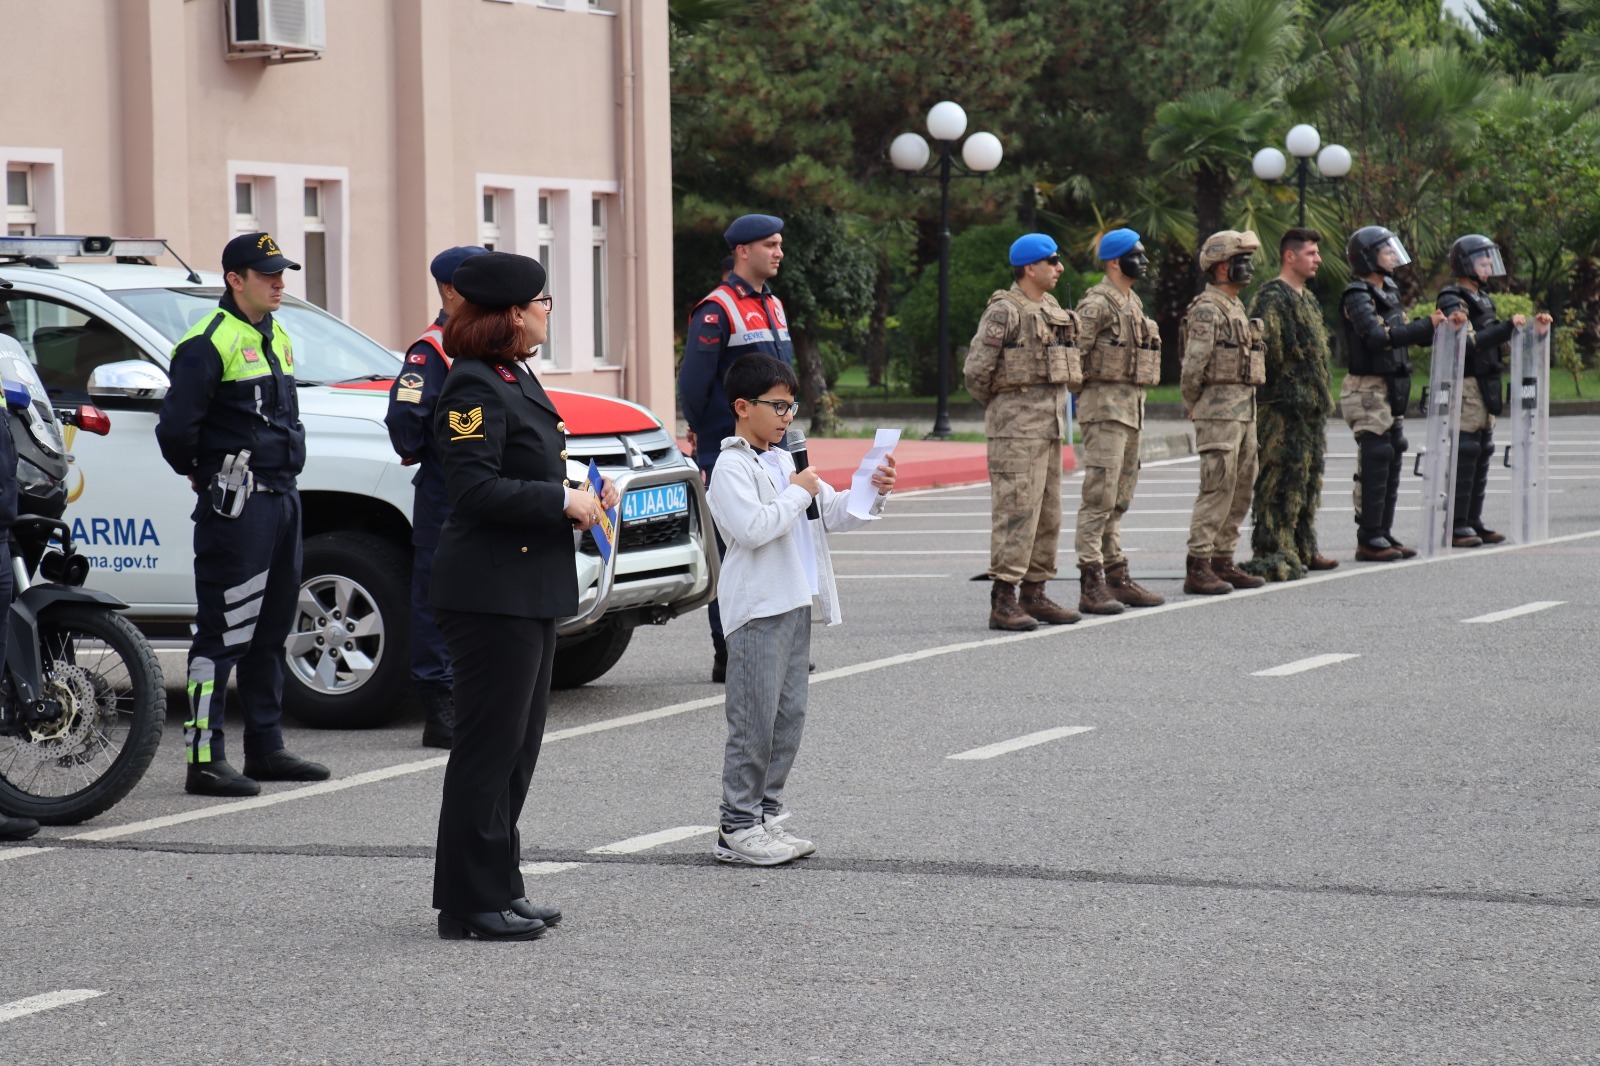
(131, 378)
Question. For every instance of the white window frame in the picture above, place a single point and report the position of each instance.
(544, 251)
(46, 213)
(570, 272)
(280, 210)
(317, 223)
(250, 221)
(492, 232)
(600, 281)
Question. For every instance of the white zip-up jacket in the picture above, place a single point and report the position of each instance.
(763, 573)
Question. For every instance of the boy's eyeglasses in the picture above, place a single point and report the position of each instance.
(783, 407)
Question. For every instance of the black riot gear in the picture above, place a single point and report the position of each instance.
(1477, 257)
(1135, 262)
(1377, 336)
(1487, 345)
(1366, 247)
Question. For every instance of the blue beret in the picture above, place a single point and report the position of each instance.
(444, 264)
(1032, 247)
(747, 229)
(1116, 244)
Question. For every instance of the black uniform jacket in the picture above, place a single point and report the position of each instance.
(506, 547)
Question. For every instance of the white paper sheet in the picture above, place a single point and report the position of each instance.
(862, 493)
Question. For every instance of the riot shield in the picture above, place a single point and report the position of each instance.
(1528, 454)
(1436, 461)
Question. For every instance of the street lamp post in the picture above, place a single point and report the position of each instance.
(979, 155)
(1332, 162)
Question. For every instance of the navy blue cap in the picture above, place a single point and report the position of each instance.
(747, 229)
(255, 251)
(1116, 244)
(498, 279)
(444, 264)
(1032, 247)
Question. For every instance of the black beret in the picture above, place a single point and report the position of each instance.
(498, 279)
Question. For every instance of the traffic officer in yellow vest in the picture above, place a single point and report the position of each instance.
(1017, 368)
(1224, 360)
(230, 423)
(1121, 357)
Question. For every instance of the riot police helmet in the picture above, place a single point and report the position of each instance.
(1375, 250)
(1476, 256)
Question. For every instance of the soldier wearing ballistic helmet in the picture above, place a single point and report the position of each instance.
(1474, 259)
(1121, 358)
(1224, 360)
(1017, 367)
(1378, 388)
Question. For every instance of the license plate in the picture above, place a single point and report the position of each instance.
(661, 501)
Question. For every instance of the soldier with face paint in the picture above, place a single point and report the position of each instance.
(1224, 360)
(1121, 358)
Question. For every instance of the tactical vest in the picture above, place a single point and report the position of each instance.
(1386, 362)
(1126, 352)
(1482, 360)
(749, 328)
(1044, 351)
(1239, 353)
(433, 336)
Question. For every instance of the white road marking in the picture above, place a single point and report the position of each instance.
(881, 577)
(633, 845)
(989, 751)
(1043, 633)
(1300, 666)
(539, 869)
(919, 551)
(19, 853)
(48, 1001)
(1515, 612)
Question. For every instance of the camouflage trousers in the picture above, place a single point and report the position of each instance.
(1227, 476)
(1475, 414)
(1025, 501)
(1110, 471)
(1291, 446)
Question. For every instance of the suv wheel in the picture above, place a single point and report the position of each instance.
(594, 652)
(348, 652)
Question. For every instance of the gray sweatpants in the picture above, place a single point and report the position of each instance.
(768, 662)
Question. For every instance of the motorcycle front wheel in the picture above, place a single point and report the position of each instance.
(103, 676)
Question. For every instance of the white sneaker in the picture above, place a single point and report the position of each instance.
(801, 846)
(753, 845)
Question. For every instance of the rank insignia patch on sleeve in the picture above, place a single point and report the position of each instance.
(465, 424)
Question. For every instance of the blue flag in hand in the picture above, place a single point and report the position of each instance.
(605, 530)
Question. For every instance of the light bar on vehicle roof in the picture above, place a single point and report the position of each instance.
(88, 246)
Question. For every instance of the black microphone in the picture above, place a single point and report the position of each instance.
(796, 443)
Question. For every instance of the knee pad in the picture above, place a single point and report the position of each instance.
(1377, 451)
(1471, 447)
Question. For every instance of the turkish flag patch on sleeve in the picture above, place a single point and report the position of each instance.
(417, 358)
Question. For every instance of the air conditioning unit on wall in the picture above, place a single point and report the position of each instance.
(276, 29)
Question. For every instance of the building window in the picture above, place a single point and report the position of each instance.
(22, 214)
(316, 229)
(546, 257)
(245, 216)
(489, 222)
(597, 221)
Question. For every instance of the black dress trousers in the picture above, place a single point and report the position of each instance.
(502, 694)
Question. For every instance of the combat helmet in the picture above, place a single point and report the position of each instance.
(1468, 251)
(1365, 244)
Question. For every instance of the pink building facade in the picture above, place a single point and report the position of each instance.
(541, 128)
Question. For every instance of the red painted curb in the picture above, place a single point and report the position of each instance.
(919, 464)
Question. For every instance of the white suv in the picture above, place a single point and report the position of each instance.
(102, 332)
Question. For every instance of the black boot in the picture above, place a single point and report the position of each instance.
(1468, 449)
(217, 778)
(439, 723)
(17, 828)
(1480, 486)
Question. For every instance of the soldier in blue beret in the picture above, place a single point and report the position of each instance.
(741, 316)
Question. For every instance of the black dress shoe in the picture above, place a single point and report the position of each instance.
(528, 909)
(438, 728)
(489, 925)
(281, 766)
(23, 828)
(217, 778)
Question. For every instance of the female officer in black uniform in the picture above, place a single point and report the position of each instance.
(503, 574)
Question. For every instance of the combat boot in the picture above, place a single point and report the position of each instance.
(1464, 537)
(1200, 581)
(1223, 567)
(439, 723)
(1005, 612)
(1128, 592)
(1376, 549)
(1322, 562)
(1093, 596)
(1487, 535)
(1043, 608)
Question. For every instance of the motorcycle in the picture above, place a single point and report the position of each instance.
(82, 700)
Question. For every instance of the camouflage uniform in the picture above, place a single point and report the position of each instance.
(1291, 431)
(1114, 334)
(1222, 365)
(1017, 368)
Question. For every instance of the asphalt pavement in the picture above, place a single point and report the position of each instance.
(1349, 819)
